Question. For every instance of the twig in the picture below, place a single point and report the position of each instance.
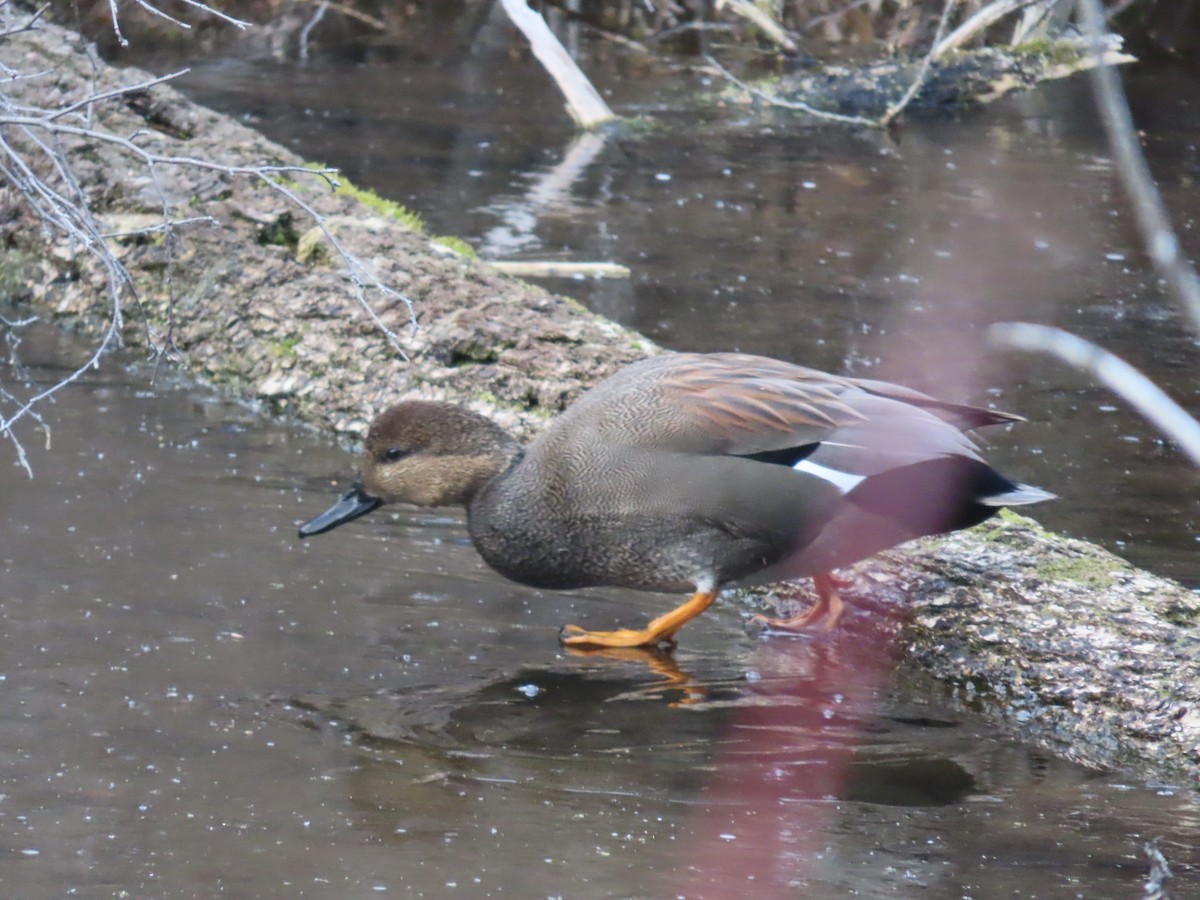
(795, 105)
(984, 18)
(195, 4)
(68, 212)
(584, 102)
(29, 25)
(360, 275)
(351, 13)
(898, 107)
(1146, 398)
(531, 268)
(312, 23)
(684, 27)
(762, 21)
(833, 14)
(101, 96)
(164, 226)
(1153, 223)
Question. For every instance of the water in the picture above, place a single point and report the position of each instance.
(186, 687)
(194, 703)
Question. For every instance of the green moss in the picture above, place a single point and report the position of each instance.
(470, 353)
(528, 404)
(1085, 570)
(458, 245)
(572, 303)
(634, 128)
(1085, 567)
(1058, 53)
(389, 208)
(1183, 616)
(285, 348)
(397, 212)
(280, 233)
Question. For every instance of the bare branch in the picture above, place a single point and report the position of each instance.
(29, 24)
(762, 20)
(306, 31)
(100, 97)
(35, 160)
(116, 23)
(982, 19)
(155, 11)
(889, 114)
(1153, 222)
(584, 102)
(360, 275)
(795, 105)
(203, 7)
(898, 107)
(1118, 376)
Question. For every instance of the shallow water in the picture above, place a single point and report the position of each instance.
(184, 685)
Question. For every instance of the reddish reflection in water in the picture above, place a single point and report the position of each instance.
(767, 815)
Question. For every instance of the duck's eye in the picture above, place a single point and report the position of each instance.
(391, 454)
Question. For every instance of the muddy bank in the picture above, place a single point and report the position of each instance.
(1063, 642)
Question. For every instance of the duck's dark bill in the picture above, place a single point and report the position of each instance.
(353, 503)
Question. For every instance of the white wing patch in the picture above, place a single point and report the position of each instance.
(843, 481)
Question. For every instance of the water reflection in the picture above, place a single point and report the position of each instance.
(549, 194)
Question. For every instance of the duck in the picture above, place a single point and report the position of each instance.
(688, 472)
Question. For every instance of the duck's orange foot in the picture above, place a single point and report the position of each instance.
(578, 638)
(826, 611)
(660, 631)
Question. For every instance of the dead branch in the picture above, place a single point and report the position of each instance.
(796, 105)
(898, 107)
(1153, 222)
(1161, 243)
(584, 102)
(1147, 398)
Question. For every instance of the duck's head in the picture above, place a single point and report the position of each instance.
(427, 454)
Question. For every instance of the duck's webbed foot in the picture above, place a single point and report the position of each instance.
(660, 631)
(826, 611)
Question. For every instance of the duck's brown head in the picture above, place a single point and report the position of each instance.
(427, 454)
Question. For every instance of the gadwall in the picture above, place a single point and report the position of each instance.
(688, 472)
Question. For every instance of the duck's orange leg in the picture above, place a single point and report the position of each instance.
(829, 607)
(659, 631)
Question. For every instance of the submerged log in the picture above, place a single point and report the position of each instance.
(954, 81)
(1066, 644)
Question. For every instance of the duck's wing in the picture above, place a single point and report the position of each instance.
(742, 405)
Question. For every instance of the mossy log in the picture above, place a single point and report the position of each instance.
(957, 81)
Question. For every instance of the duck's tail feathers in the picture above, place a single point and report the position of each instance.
(1017, 495)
